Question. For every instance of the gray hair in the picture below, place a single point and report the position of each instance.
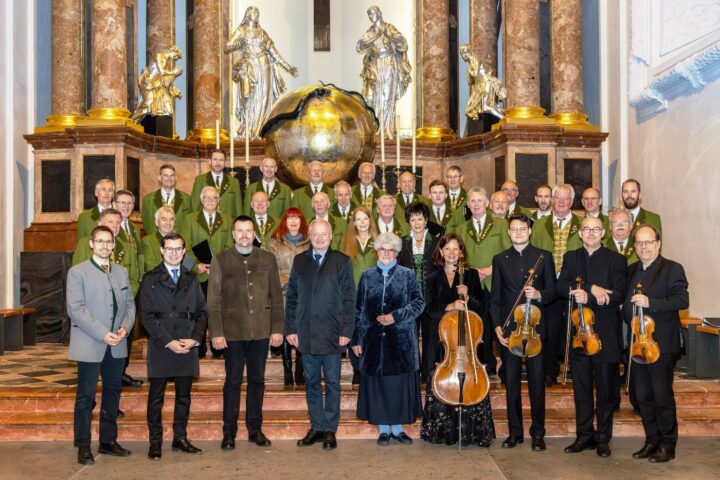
(388, 238)
(564, 186)
(162, 210)
(318, 221)
(386, 197)
(341, 183)
(479, 190)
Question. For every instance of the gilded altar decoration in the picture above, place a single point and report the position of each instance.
(157, 85)
(386, 71)
(255, 69)
(486, 91)
(320, 123)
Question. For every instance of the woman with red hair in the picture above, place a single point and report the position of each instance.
(289, 239)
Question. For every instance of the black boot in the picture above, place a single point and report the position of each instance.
(299, 375)
(287, 363)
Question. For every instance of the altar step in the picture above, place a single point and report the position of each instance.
(28, 413)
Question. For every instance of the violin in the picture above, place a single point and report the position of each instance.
(585, 339)
(460, 379)
(524, 341)
(643, 347)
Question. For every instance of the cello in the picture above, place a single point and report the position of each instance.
(524, 341)
(643, 347)
(460, 379)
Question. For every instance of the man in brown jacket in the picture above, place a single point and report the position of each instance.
(245, 305)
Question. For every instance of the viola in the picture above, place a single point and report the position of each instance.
(460, 378)
(585, 339)
(524, 341)
(643, 347)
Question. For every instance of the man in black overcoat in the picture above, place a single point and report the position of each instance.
(604, 275)
(664, 294)
(175, 316)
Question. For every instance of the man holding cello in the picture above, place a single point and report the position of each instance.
(523, 277)
(663, 293)
(594, 277)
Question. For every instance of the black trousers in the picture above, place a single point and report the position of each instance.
(202, 349)
(589, 372)
(653, 386)
(555, 337)
(489, 337)
(181, 412)
(237, 355)
(536, 388)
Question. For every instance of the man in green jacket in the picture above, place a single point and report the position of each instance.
(150, 244)
(592, 201)
(228, 187)
(457, 195)
(87, 220)
(302, 197)
(265, 224)
(511, 191)
(279, 194)
(124, 202)
(631, 199)
(618, 239)
(343, 206)
(166, 196)
(441, 211)
(366, 191)
(389, 218)
(406, 194)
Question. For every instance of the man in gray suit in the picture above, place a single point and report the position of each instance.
(100, 319)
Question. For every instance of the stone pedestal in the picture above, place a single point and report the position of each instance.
(162, 126)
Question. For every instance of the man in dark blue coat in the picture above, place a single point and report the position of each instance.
(319, 322)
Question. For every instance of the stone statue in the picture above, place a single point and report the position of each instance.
(486, 91)
(255, 69)
(386, 70)
(157, 85)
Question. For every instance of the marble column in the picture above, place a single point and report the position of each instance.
(206, 71)
(567, 64)
(521, 49)
(68, 82)
(483, 32)
(109, 65)
(435, 24)
(160, 27)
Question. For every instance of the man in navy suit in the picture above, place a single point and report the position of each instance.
(319, 322)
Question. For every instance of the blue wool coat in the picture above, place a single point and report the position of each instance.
(392, 349)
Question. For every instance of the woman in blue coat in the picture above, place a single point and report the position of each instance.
(388, 302)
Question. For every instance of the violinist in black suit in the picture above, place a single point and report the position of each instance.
(510, 273)
(664, 294)
(604, 274)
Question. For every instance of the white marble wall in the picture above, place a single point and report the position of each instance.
(17, 117)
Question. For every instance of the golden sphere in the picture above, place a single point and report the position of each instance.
(320, 123)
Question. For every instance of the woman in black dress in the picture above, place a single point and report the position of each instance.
(440, 421)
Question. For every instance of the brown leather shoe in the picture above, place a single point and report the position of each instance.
(311, 438)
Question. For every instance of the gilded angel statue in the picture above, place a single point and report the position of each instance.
(486, 91)
(157, 85)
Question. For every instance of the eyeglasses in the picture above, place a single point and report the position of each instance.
(207, 197)
(104, 242)
(386, 251)
(645, 243)
(125, 204)
(590, 198)
(173, 249)
(593, 229)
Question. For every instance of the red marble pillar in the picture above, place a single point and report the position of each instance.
(206, 71)
(483, 33)
(435, 24)
(68, 96)
(160, 27)
(567, 64)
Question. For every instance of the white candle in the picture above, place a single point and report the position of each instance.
(397, 142)
(232, 140)
(247, 141)
(217, 133)
(414, 146)
(382, 137)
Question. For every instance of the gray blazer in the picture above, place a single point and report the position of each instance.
(90, 306)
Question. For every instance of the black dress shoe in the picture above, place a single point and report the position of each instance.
(228, 443)
(85, 456)
(356, 378)
(120, 414)
(662, 455)
(113, 449)
(383, 439)
(182, 445)
(511, 441)
(155, 451)
(538, 444)
(128, 381)
(329, 441)
(577, 446)
(603, 449)
(259, 439)
(310, 438)
(402, 437)
(648, 449)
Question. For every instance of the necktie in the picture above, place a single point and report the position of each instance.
(217, 181)
(167, 202)
(407, 199)
(261, 222)
(621, 247)
(210, 220)
(317, 260)
(343, 213)
(267, 188)
(387, 227)
(454, 196)
(315, 189)
(105, 267)
(559, 223)
(437, 215)
(127, 228)
(478, 227)
(175, 276)
(632, 217)
(365, 195)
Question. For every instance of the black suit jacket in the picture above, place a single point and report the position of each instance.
(405, 258)
(608, 270)
(440, 293)
(666, 287)
(320, 303)
(510, 272)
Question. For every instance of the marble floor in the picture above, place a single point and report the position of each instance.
(361, 459)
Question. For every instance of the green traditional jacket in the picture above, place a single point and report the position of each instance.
(542, 234)
(646, 217)
(263, 235)
(400, 199)
(517, 210)
(230, 195)
(460, 201)
(357, 195)
(280, 198)
(302, 199)
(630, 253)
(452, 220)
(400, 226)
(86, 221)
(152, 202)
(151, 251)
(339, 227)
(123, 254)
(366, 258)
(335, 210)
(481, 248)
(605, 221)
(195, 230)
(134, 239)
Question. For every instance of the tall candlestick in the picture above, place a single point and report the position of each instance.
(382, 137)
(414, 146)
(397, 143)
(217, 133)
(232, 140)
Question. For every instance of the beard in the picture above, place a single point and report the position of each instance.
(630, 203)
